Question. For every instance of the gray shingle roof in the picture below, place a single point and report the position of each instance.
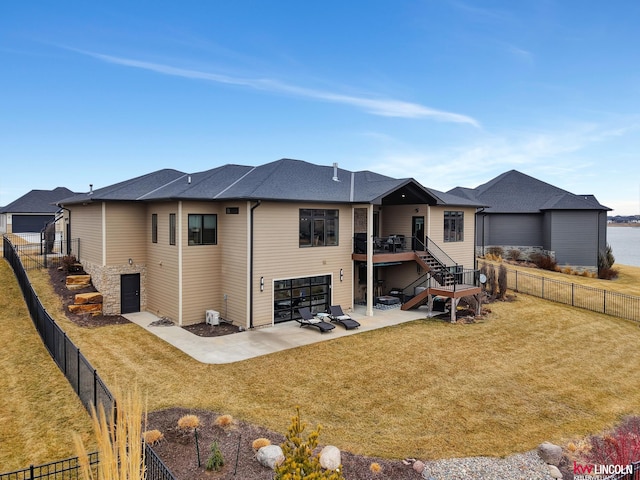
(515, 192)
(282, 180)
(37, 201)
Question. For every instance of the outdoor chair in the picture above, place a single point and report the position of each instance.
(338, 316)
(309, 320)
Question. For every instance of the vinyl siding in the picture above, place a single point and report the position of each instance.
(574, 237)
(162, 263)
(126, 233)
(201, 267)
(277, 255)
(463, 253)
(516, 229)
(86, 225)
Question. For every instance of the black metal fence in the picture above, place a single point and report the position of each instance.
(36, 251)
(68, 469)
(581, 296)
(81, 375)
(635, 475)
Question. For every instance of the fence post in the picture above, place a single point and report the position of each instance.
(573, 294)
(604, 301)
(78, 371)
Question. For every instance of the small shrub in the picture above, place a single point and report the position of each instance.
(223, 421)
(375, 468)
(152, 437)
(619, 447)
(299, 460)
(188, 422)
(258, 443)
(545, 262)
(215, 460)
(496, 252)
(68, 261)
(514, 254)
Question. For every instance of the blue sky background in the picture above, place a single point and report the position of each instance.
(451, 93)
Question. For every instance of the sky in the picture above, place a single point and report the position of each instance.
(450, 93)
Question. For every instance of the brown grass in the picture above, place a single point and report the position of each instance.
(39, 411)
(534, 371)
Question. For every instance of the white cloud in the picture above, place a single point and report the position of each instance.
(377, 106)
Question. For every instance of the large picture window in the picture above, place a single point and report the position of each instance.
(453, 226)
(203, 229)
(318, 227)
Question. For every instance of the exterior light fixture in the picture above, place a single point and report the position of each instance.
(341, 274)
(131, 261)
(262, 284)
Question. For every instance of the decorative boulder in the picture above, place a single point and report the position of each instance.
(418, 466)
(330, 457)
(270, 456)
(550, 453)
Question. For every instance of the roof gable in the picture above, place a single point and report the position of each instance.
(516, 192)
(38, 201)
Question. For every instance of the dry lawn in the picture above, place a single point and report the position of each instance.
(533, 371)
(39, 411)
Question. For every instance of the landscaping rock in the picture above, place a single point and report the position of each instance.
(418, 466)
(330, 457)
(554, 472)
(270, 456)
(550, 453)
(91, 297)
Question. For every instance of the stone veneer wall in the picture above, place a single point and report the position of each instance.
(107, 281)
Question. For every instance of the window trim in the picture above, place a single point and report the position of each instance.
(316, 225)
(455, 232)
(201, 230)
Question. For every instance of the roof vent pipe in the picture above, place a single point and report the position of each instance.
(189, 179)
(335, 172)
(90, 188)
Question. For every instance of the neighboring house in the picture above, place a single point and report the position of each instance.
(529, 215)
(257, 243)
(32, 212)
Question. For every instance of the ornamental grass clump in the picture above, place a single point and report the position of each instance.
(375, 468)
(258, 443)
(119, 439)
(224, 421)
(191, 422)
(299, 461)
(152, 437)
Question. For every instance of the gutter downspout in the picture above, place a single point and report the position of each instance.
(251, 241)
(68, 230)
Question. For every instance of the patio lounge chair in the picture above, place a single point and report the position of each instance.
(338, 316)
(309, 320)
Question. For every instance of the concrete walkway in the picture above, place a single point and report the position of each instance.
(263, 341)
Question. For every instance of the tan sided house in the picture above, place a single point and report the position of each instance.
(254, 244)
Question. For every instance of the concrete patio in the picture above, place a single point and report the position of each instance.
(263, 341)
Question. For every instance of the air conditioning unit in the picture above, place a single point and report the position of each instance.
(212, 317)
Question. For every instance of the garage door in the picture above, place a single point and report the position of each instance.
(293, 293)
(29, 223)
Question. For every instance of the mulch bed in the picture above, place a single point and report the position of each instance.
(178, 450)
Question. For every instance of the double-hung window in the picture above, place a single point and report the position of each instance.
(203, 229)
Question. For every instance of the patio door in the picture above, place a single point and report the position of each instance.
(417, 232)
(293, 293)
